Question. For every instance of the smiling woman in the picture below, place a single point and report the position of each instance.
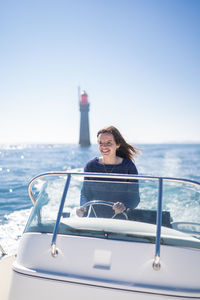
(117, 154)
(117, 157)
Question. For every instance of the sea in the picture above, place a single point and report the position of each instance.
(19, 163)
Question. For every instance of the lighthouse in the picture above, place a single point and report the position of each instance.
(84, 139)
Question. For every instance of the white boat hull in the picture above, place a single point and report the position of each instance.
(33, 288)
(102, 268)
(5, 276)
(147, 253)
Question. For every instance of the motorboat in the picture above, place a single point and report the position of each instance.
(149, 251)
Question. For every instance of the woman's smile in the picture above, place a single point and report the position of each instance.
(104, 151)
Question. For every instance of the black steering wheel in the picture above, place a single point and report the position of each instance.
(95, 210)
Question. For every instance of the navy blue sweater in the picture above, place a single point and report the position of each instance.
(126, 167)
(125, 193)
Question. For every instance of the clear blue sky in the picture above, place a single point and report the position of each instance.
(138, 60)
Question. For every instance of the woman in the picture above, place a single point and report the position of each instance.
(116, 157)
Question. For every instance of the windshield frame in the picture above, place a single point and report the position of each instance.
(159, 179)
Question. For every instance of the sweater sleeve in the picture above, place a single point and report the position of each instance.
(134, 200)
(132, 168)
(86, 168)
(90, 166)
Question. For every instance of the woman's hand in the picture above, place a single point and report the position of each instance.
(80, 211)
(118, 207)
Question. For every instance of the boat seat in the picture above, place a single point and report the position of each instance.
(149, 216)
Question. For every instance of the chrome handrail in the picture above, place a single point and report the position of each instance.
(107, 175)
(156, 262)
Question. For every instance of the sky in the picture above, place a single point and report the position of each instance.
(138, 60)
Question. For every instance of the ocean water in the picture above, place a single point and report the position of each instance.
(20, 163)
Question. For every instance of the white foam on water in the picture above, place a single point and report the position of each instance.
(11, 231)
(171, 164)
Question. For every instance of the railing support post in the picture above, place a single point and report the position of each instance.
(156, 262)
(54, 251)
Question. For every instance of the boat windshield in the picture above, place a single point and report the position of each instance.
(82, 204)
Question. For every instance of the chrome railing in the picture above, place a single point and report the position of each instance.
(156, 262)
(54, 251)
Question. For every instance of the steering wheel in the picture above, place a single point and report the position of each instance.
(92, 211)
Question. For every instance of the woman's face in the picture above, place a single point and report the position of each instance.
(107, 145)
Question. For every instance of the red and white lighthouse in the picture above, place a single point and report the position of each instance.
(84, 139)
